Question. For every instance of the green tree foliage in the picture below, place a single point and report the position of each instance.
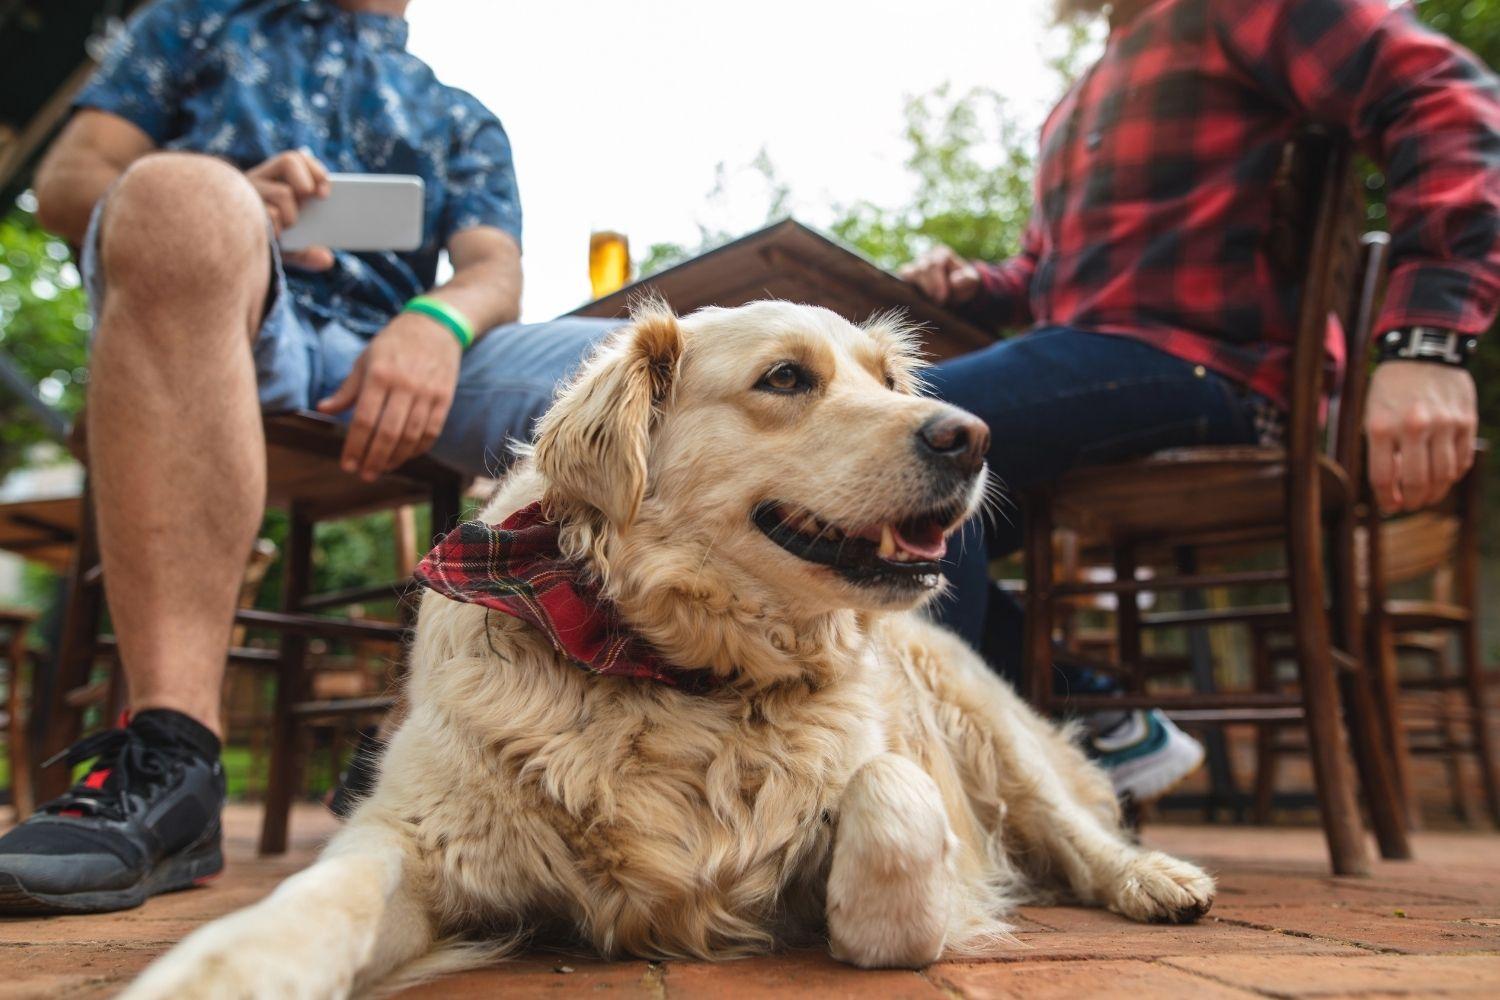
(1476, 24)
(44, 324)
(971, 161)
(727, 190)
(969, 158)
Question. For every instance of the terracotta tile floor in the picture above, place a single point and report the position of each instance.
(1282, 928)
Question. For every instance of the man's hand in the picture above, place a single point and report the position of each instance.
(400, 388)
(1421, 419)
(943, 276)
(284, 183)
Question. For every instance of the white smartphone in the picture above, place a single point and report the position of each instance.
(361, 212)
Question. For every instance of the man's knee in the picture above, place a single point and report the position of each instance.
(178, 222)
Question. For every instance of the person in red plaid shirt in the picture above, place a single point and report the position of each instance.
(1157, 316)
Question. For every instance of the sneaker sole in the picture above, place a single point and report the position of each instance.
(181, 871)
(1152, 776)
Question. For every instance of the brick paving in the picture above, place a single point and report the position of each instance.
(1282, 927)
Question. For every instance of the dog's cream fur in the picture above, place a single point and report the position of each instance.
(858, 775)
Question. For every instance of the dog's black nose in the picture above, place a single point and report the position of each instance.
(955, 438)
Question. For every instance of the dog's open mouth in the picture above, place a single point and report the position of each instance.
(904, 552)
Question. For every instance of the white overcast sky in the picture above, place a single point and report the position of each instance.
(618, 112)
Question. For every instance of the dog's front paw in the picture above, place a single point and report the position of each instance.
(238, 957)
(1158, 888)
(890, 883)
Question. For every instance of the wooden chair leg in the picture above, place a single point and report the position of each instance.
(1266, 758)
(285, 770)
(1039, 605)
(1479, 729)
(1128, 617)
(1377, 739)
(60, 723)
(18, 746)
(1386, 685)
(1466, 576)
(447, 505)
(1320, 690)
(1379, 642)
(1448, 725)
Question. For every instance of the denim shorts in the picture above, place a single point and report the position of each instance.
(507, 381)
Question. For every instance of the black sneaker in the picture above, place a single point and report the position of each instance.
(143, 821)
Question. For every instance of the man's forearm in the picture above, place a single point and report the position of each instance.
(67, 189)
(486, 282)
(487, 296)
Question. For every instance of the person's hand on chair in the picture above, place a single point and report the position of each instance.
(284, 183)
(943, 276)
(1421, 419)
(401, 388)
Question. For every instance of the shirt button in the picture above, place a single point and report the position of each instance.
(319, 101)
(1093, 139)
(1199, 371)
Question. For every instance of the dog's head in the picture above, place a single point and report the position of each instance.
(772, 448)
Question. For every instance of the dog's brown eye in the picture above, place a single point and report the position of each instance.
(785, 378)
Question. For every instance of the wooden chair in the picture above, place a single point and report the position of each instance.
(1441, 547)
(1299, 499)
(14, 623)
(304, 477)
(1433, 550)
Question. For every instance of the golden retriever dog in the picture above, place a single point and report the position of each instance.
(761, 495)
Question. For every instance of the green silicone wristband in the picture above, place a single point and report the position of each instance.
(444, 314)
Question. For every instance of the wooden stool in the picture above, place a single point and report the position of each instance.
(303, 477)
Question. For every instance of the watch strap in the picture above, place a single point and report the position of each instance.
(1428, 343)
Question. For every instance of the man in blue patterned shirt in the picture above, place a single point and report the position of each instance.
(209, 126)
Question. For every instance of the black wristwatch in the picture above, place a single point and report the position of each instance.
(1428, 343)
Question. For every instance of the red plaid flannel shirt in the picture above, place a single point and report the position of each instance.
(1153, 185)
(515, 568)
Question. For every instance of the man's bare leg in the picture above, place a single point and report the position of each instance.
(177, 461)
(176, 452)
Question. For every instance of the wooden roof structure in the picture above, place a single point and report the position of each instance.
(788, 260)
(42, 529)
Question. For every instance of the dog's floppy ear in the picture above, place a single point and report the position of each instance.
(591, 446)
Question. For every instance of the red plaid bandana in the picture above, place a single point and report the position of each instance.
(516, 568)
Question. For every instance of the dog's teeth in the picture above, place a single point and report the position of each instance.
(887, 542)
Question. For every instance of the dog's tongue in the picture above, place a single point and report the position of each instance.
(924, 541)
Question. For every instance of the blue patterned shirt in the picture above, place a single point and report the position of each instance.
(247, 79)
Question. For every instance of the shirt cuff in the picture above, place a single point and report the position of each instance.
(1448, 296)
(506, 220)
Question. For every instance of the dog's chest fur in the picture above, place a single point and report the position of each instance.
(664, 823)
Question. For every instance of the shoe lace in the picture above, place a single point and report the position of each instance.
(125, 765)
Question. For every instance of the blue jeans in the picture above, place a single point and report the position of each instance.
(1056, 399)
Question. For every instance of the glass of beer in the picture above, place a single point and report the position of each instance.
(609, 262)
